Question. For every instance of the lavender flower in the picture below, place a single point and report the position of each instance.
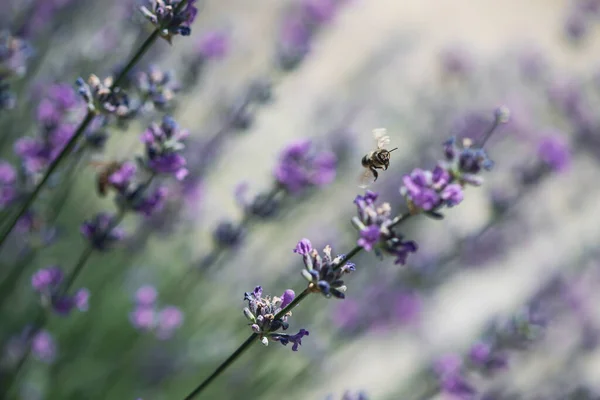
(135, 196)
(483, 356)
(449, 372)
(169, 320)
(37, 153)
(8, 180)
(157, 87)
(375, 228)
(301, 167)
(163, 146)
(171, 17)
(43, 347)
(300, 27)
(228, 234)
(213, 45)
(14, 54)
(102, 98)
(148, 317)
(554, 151)
(96, 232)
(48, 283)
(261, 311)
(324, 274)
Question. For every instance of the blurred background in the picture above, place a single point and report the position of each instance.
(502, 292)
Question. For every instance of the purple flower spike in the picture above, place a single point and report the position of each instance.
(143, 318)
(122, 178)
(369, 237)
(153, 203)
(96, 231)
(164, 144)
(8, 179)
(261, 311)
(301, 166)
(554, 151)
(170, 319)
(213, 45)
(47, 279)
(325, 273)
(287, 297)
(376, 232)
(43, 347)
(296, 339)
(303, 247)
(161, 13)
(146, 295)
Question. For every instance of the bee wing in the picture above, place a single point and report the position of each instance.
(380, 135)
(366, 179)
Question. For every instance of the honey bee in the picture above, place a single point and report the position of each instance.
(376, 159)
(106, 169)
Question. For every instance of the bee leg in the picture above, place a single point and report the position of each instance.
(375, 174)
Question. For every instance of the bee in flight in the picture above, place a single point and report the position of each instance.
(106, 169)
(376, 159)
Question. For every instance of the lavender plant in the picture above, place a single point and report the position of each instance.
(110, 310)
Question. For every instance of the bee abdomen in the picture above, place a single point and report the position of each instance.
(366, 161)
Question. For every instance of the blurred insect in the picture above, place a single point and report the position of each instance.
(106, 169)
(376, 159)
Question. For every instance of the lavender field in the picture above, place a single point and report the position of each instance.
(177, 176)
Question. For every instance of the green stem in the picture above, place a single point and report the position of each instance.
(53, 166)
(234, 356)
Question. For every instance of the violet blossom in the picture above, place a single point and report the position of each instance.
(102, 98)
(148, 316)
(48, 282)
(375, 226)
(301, 166)
(171, 17)
(164, 144)
(554, 151)
(324, 274)
(262, 312)
(156, 87)
(8, 181)
(96, 232)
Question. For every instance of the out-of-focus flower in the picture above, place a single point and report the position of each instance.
(157, 87)
(8, 180)
(151, 203)
(456, 61)
(48, 283)
(169, 320)
(147, 316)
(102, 98)
(228, 234)
(14, 54)
(449, 372)
(484, 357)
(37, 153)
(554, 151)
(213, 45)
(576, 25)
(301, 166)
(171, 16)
(324, 274)
(300, 27)
(164, 144)
(146, 295)
(375, 228)
(96, 232)
(261, 311)
(43, 347)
